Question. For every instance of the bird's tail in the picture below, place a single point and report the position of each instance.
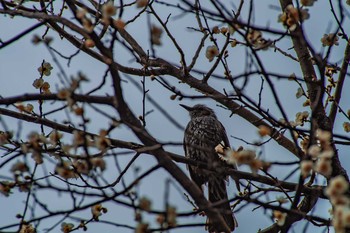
(218, 193)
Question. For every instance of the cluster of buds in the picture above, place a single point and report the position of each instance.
(37, 40)
(27, 228)
(300, 93)
(80, 138)
(330, 40)
(42, 85)
(346, 127)
(22, 178)
(229, 30)
(156, 34)
(67, 93)
(336, 190)
(255, 38)
(142, 227)
(264, 130)
(85, 20)
(330, 70)
(171, 216)
(141, 3)
(102, 142)
(301, 118)
(108, 10)
(168, 220)
(39, 83)
(45, 69)
(145, 204)
(28, 108)
(5, 187)
(68, 169)
(321, 155)
(20, 169)
(223, 30)
(5, 137)
(280, 217)
(34, 145)
(65, 170)
(240, 157)
(81, 166)
(67, 227)
(292, 16)
(36, 142)
(97, 211)
(211, 52)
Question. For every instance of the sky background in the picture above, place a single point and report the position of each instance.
(18, 70)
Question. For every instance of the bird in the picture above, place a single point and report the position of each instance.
(202, 134)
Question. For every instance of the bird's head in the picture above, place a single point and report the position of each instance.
(199, 110)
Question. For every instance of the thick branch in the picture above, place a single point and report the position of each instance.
(315, 89)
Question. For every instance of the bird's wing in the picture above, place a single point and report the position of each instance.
(227, 144)
(224, 136)
(185, 146)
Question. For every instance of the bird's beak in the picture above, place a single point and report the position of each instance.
(186, 107)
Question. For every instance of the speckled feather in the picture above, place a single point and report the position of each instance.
(203, 133)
